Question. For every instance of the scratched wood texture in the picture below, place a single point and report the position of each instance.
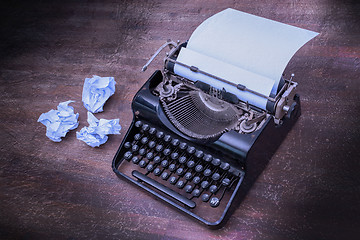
(309, 190)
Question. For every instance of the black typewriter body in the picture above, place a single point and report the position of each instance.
(205, 178)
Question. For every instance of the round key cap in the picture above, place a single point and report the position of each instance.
(160, 135)
(164, 175)
(190, 164)
(173, 180)
(128, 155)
(188, 188)
(205, 184)
(135, 148)
(137, 136)
(180, 184)
(214, 202)
(207, 158)
(157, 159)
(196, 180)
(174, 156)
(191, 150)
(135, 160)
(152, 144)
(183, 146)
(175, 142)
(157, 171)
(196, 193)
(127, 145)
(142, 163)
(215, 176)
(188, 176)
(142, 151)
(207, 172)
(165, 163)
(182, 160)
(166, 151)
(159, 148)
(225, 182)
(172, 167)
(144, 140)
(180, 171)
(145, 127)
(167, 138)
(152, 131)
(199, 154)
(199, 168)
(149, 155)
(225, 166)
(138, 124)
(216, 162)
(205, 197)
(150, 167)
(213, 188)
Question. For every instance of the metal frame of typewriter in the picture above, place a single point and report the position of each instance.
(250, 142)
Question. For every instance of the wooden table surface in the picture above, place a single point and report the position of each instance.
(309, 190)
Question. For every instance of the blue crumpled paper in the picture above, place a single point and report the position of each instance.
(59, 122)
(96, 92)
(96, 133)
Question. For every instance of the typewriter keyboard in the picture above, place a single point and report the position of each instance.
(178, 169)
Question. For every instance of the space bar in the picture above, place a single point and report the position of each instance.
(164, 189)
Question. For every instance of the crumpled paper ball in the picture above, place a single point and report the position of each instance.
(59, 122)
(96, 92)
(96, 133)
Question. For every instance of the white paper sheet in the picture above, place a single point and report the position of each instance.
(257, 48)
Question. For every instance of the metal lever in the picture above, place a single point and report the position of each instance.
(169, 42)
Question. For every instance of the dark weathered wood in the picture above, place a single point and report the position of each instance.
(309, 190)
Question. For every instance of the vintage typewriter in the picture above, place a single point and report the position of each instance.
(199, 147)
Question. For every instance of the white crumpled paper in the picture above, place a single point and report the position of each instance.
(59, 122)
(96, 133)
(96, 91)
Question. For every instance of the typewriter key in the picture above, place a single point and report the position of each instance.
(135, 148)
(149, 155)
(214, 202)
(174, 155)
(165, 163)
(190, 164)
(127, 145)
(225, 166)
(199, 154)
(135, 160)
(157, 159)
(196, 179)
(205, 184)
(180, 171)
(142, 163)
(191, 150)
(207, 172)
(145, 127)
(173, 180)
(172, 167)
(159, 148)
(205, 197)
(215, 176)
(225, 182)
(137, 136)
(167, 138)
(188, 188)
(157, 171)
(142, 151)
(199, 168)
(164, 175)
(175, 142)
(182, 160)
(152, 144)
(138, 124)
(150, 167)
(213, 188)
(144, 140)
(207, 158)
(128, 155)
(152, 131)
(196, 193)
(216, 162)
(160, 135)
(180, 184)
(166, 151)
(188, 176)
(183, 146)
